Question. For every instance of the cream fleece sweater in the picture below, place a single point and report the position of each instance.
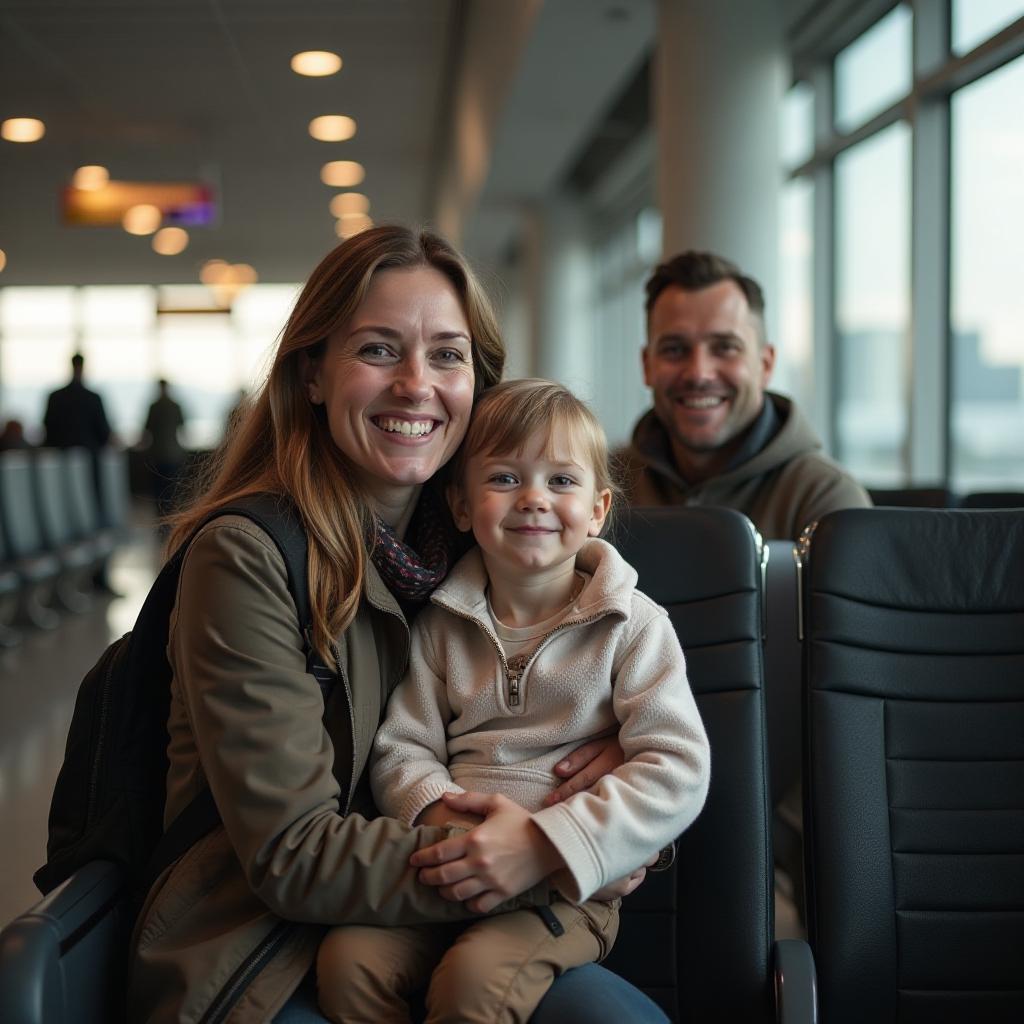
(614, 664)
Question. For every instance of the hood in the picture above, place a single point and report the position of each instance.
(608, 590)
(795, 436)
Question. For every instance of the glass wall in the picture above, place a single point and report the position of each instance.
(987, 301)
(208, 358)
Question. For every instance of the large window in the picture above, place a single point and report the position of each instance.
(873, 303)
(208, 358)
(987, 302)
(918, 235)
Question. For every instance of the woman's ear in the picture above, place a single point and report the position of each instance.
(311, 369)
(459, 506)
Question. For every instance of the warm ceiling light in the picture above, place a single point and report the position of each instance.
(316, 63)
(349, 202)
(3, 259)
(170, 241)
(22, 129)
(143, 219)
(332, 128)
(213, 271)
(90, 178)
(351, 224)
(342, 173)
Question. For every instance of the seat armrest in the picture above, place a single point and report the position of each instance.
(796, 988)
(65, 937)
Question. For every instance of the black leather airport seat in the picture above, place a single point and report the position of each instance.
(62, 962)
(10, 598)
(994, 499)
(699, 939)
(914, 783)
(37, 567)
(914, 497)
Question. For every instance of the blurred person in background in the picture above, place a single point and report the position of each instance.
(164, 452)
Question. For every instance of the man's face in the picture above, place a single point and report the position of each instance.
(706, 368)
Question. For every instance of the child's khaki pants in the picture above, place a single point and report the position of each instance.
(495, 969)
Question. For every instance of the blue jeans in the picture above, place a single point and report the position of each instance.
(584, 995)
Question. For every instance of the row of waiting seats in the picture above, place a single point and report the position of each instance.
(62, 513)
(942, 497)
(882, 663)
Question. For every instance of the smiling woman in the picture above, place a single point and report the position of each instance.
(369, 396)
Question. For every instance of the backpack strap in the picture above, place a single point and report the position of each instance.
(278, 518)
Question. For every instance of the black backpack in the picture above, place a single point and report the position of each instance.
(108, 802)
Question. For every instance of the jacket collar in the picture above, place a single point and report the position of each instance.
(608, 590)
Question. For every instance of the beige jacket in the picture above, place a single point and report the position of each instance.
(461, 721)
(228, 931)
(784, 487)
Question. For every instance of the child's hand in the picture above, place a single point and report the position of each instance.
(585, 765)
(493, 862)
(440, 814)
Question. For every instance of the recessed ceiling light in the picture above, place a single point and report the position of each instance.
(22, 129)
(3, 259)
(170, 241)
(316, 63)
(349, 202)
(332, 128)
(342, 173)
(90, 178)
(143, 219)
(213, 271)
(351, 224)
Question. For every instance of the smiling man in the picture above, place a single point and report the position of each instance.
(715, 436)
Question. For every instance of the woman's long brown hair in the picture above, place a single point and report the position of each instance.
(281, 443)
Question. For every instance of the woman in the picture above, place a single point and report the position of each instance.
(368, 398)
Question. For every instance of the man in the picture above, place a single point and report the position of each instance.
(74, 414)
(165, 455)
(715, 436)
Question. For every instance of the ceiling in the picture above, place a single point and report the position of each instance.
(201, 90)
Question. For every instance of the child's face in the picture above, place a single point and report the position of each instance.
(532, 511)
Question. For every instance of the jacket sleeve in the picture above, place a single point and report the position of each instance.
(410, 754)
(255, 716)
(607, 831)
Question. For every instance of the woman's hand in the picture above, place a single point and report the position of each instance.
(440, 814)
(624, 886)
(493, 862)
(585, 765)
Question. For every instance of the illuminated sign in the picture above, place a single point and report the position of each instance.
(181, 203)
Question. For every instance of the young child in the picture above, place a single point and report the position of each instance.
(536, 642)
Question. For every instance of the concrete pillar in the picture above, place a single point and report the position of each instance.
(719, 77)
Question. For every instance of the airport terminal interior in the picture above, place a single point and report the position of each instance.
(172, 170)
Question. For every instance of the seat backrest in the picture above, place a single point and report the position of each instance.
(49, 470)
(63, 960)
(114, 492)
(20, 518)
(994, 499)
(914, 782)
(915, 497)
(82, 499)
(698, 938)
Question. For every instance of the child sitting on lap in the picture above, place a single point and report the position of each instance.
(537, 641)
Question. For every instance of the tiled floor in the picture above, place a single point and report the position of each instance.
(38, 683)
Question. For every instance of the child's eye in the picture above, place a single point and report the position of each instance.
(502, 479)
(562, 480)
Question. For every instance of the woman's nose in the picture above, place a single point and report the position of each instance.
(413, 381)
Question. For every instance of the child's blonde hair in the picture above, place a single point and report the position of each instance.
(509, 414)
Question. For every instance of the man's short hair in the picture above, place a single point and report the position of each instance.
(77, 360)
(692, 271)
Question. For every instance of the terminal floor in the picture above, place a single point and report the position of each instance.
(38, 683)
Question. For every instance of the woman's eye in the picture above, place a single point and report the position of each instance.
(375, 351)
(449, 355)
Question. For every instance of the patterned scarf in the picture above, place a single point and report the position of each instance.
(412, 569)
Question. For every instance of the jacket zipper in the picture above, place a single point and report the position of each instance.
(351, 727)
(514, 674)
(101, 732)
(240, 980)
